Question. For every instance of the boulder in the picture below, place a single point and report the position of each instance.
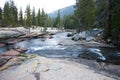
(79, 36)
(75, 37)
(70, 34)
(87, 35)
(82, 35)
(90, 38)
(94, 32)
(21, 50)
(11, 53)
(92, 53)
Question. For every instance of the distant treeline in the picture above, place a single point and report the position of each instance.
(10, 17)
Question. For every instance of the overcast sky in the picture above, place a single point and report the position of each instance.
(47, 5)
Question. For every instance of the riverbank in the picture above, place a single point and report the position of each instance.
(41, 68)
(14, 35)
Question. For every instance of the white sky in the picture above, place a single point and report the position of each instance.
(47, 5)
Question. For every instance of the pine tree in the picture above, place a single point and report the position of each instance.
(100, 5)
(33, 17)
(43, 15)
(6, 14)
(115, 22)
(28, 17)
(15, 13)
(58, 20)
(49, 20)
(39, 18)
(21, 21)
(108, 16)
(46, 22)
(10, 14)
(85, 11)
(70, 22)
(101, 13)
(36, 24)
(1, 17)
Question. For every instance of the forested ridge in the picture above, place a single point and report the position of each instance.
(88, 14)
(63, 11)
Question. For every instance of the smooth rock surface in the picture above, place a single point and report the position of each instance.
(41, 68)
(4, 59)
(2, 45)
(11, 53)
(29, 77)
(21, 72)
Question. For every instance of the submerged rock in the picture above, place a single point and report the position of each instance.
(70, 34)
(77, 37)
(21, 50)
(92, 53)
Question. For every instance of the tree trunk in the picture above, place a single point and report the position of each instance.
(107, 29)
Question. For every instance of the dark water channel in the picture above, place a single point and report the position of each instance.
(52, 48)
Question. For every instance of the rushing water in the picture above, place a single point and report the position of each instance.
(52, 48)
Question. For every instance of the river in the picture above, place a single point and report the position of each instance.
(61, 46)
